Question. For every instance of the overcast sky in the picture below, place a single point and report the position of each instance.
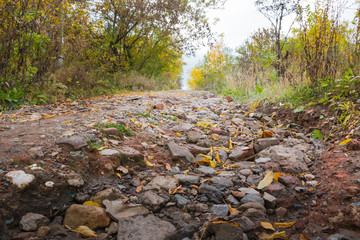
(239, 19)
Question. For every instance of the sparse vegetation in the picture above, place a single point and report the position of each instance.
(118, 126)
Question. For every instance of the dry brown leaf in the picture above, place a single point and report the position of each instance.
(179, 190)
(196, 188)
(139, 188)
(205, 180)
(267, 225)
(303, 237)
(85, 231)
(167, 166)
(123, 169)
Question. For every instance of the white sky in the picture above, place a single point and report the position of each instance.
(239, 19)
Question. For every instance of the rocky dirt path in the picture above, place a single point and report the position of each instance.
(171, 165)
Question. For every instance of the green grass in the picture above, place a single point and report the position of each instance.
(118, 126)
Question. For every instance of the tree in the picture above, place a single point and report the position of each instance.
(275, 11)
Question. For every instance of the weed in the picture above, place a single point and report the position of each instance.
(118, 126)
(317, 134)
(95, 145)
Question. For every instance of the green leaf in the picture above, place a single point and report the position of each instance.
(317, 134)
(299, 109)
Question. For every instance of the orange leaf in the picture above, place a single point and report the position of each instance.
(284, 225)
(206, 180)
(139, 188)
(167, 166)
(179, 190)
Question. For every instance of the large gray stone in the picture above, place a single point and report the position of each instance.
(144, 228)
(193, 137)
(118, 210)
(253, 198)
(187, 179)
(222, 181)
(241, 153)
(162, 182)
(221, 210)
(179, 153)
(264, 143)
(152, 200)
(32, 221)
(291, 156)
(76, 142)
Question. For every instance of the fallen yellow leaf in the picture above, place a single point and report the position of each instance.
(68, 121)
(217, 157)
(345, 142)
(267, 225)
(118, 175)
(91, 203)
(284, 225)
(267, 180)
(85, 231)
(179, 134)
(230, 144)
(186, 171)
(148, 163)
(265, 236)
(212, 164)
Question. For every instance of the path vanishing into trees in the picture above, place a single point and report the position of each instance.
(172, 165)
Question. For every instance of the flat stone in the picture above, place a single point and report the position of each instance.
(42, 231)
(249, 191)
(109, 194)
(74, 179)
(183, 127)
(277, 190)
(232, 200)
(182, 201)
(241, 153)
(221, 210)
(113, 228)
(36, 152)
(112, 132)
(197, 207)
(224, 231)
(179, 153)
(118, 210)
(187, 179)
(264, 143)
(161, 182)
(289, 181)
(281, 212)
(212, 193)
(76, 142)
(32, 221)
(246, 172)
(197, 150)
(205, 170)
(109, 152)
(193, 137)
(245, 223)
(144, 228)
(228, 174)
(226, 182)
(252, 198)
(254, 213)
(262, 160)
(249, 205)
(293, 157)
(20, 178)
(130, 153)
(270, 200)
(152, 200)
(85, 215)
